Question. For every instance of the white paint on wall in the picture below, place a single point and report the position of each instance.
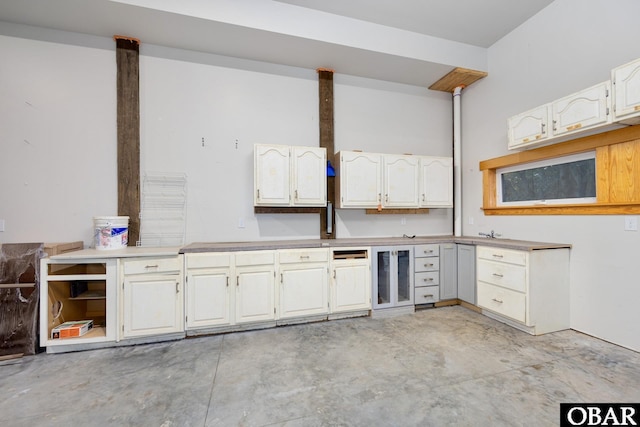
(57, 133)
(570, 45)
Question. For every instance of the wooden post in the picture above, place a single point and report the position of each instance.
(325, 91)
(127, 53)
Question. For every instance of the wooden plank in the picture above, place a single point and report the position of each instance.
(128, 123)
(407, 211)
(602, 175)
(458, 77)
(16, 285)
(593, 209)
(326, 112)
(624, 172)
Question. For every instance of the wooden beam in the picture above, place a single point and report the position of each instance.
(325, 98)
(128, 123)
(457, 77)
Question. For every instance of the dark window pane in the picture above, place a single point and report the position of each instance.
(562, 181)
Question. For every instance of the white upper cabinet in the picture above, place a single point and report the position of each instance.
(370, 181)
(271, 175)
(289, 176)
(436, 182)
(626, 92)
(401, 178)
(529, 127)
(309, 182)
(582, 110)
(359, 180)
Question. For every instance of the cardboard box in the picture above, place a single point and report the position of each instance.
(71, 329)
(60, 248)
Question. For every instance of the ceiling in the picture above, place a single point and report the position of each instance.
(406, 41)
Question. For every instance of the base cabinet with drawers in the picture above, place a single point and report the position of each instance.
(525, 289)
(427, 273)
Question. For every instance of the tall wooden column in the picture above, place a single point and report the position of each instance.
(325, 88)
(127, 60)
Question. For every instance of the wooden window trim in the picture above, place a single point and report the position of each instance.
(617, 175)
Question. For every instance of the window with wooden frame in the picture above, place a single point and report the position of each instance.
(551, 173)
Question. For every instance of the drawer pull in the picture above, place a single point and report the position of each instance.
(497, 300)
(177, 288)
(151, 266)
(428, 296)
(498, 275)
(430, 251)
(498, 256)
(428, 279)
(428, 265)
(304, 257)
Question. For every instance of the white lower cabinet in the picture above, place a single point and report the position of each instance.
(350, 280)
(152, 296)
(525, 289)
(303, 283)
(208, 295)
(255, 279)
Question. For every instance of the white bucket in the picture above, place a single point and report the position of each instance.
(111, 232)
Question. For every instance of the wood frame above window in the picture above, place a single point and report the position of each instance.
(617, 175)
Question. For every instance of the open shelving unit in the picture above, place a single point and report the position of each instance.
(74, 290)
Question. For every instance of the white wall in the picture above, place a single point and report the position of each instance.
(570, 45)
(59, 120)
(57, 134)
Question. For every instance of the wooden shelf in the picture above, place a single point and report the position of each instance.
(97, 294)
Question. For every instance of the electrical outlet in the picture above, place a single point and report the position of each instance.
(631, 223)
(403, 221)
(241, 222)
(470, 220)
(1, 224)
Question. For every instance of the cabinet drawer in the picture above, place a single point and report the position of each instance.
(506, 275)
(502, 301)
(427, 264)
(503, 255)
(208, 260)
(255, 258)
(426, 250)
(427, 278)
(304, 255)
(427, 294)
(152, 265)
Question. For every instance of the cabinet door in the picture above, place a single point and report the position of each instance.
(448, 271)
(351, 287)
(255, 299)
(401, 180)
(436, 182)
(152, 305)
(626, 87)
(360, 180)
(271, 164)
(529, 127)
(303, 290)
(581, 110)
(309, 176)
(208, 302)
(393, 280)
(467, 273)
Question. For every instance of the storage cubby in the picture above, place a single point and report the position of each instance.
(77, 291)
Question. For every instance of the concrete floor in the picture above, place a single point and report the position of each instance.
(438, 367)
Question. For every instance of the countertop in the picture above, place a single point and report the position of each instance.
(369, 241)
(128, 252)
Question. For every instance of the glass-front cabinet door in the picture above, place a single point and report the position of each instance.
(392, 276)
